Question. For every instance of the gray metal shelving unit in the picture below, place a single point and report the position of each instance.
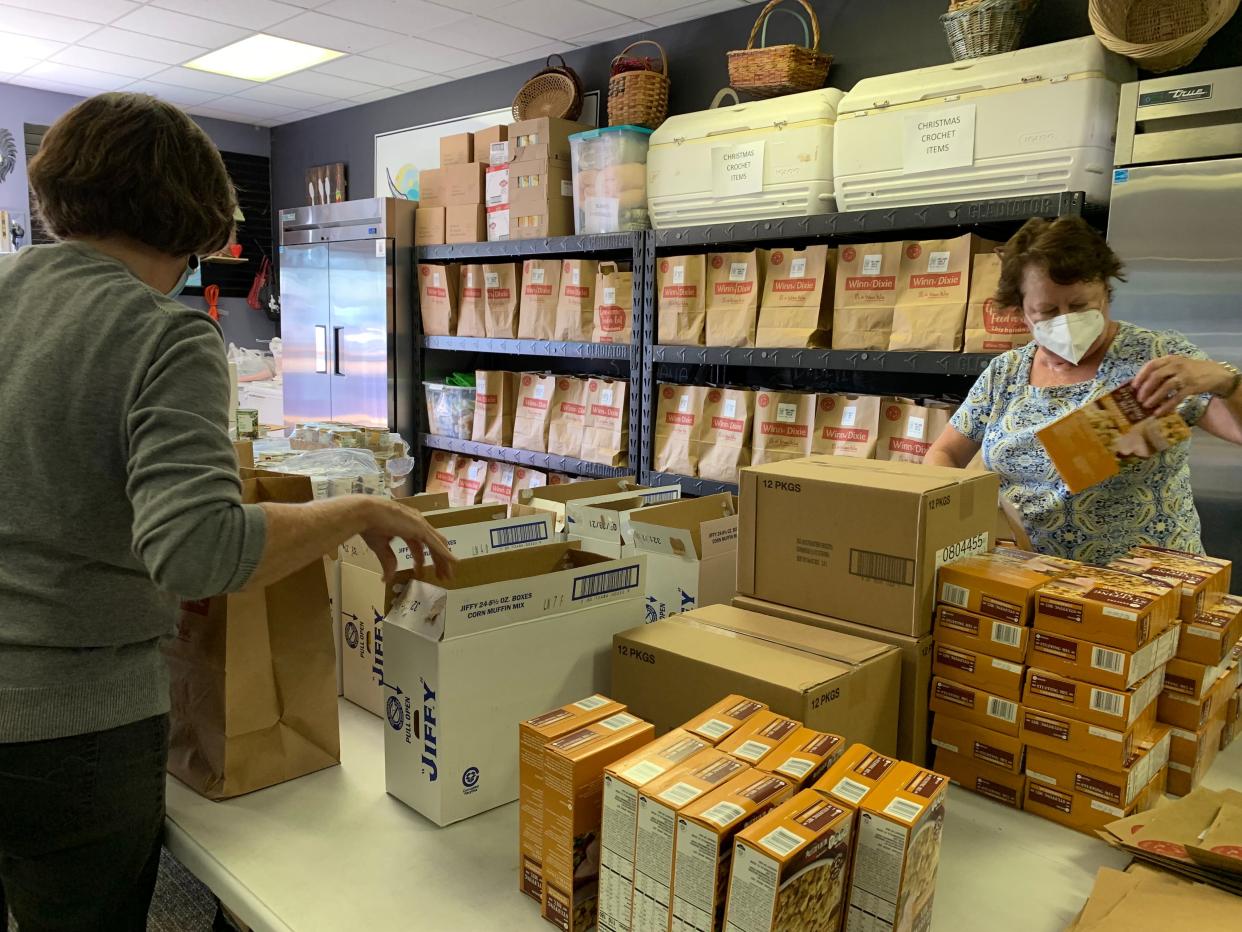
(549, 461)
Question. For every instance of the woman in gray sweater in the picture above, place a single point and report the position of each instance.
(120, 496)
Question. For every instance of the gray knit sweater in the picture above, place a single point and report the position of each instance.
(118, 489)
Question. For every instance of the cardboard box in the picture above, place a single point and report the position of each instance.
(553, 498)
(958, 628)
(332, 573)
(1193, 680)
(987, 747)
(715, 723)
(533, 737)
(536, 185)
(804, 756)
(465, 223)
(554, 608)
(762, 733)
(807, 837)
(1000, 584)
(705, 833)
(496, 185)
(542, 138)
(913, 716)
(659, 803)
(463, 185)
(855, 774)
(1095, 705)
(999, 677)
(1100, 666)
(1210, 637)
(1000, 785)
(1068, 737)
(457, 149)
(898, 851)
(497, 221)
(362, 637)
(623, 780)
(356, 551)
(1106, 607)
(831, 682)
(977, 706)
(1192, 714)
(691, 549)
(430, 188)
(858, 539)
(573, 806)
(603, 522)
(1190, 759)
(1199, 576)
(528, 222)
(484, 139)
(1086, 813)
(429, 225)
(1119, 787)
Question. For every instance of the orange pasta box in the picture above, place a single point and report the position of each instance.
(1106, 607)
(804, 756)
(791, 868)
(1085, 813)
(1098, 665)
(974, 705)
(724, 718)
(1198, 575)
(1110, 708)
(958, 628)
(761, 734)
(987, 747)
(1213, 632)
(858, 771)
(1000, 677)
(1115, 786)
(1001, 785)
(1000, 584)
(1081, 741)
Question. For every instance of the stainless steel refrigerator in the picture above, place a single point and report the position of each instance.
(346, 272)
(1176, 220)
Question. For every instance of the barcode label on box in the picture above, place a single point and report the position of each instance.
(618, 721)
(797, 767)
(519, 534)
(643, 773)
(903, 809)
(1110, 661)
(851, 790)
(959, 596)
(1005, 633)
(714, 728)
(1003, 709)
(1096, 732)
(724, 813)
(1108, 703)
(751, 751)
(1105, 807)
(680, 793)
(1118, 613)
(882, 566)
(597, 584)
(591, 702)
(781, 841)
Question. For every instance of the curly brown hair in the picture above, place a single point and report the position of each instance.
(134, 166)
(1069, 249)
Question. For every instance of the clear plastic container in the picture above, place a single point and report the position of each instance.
(450, 410)
(610, 179)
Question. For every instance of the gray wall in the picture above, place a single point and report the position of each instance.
(867, 37)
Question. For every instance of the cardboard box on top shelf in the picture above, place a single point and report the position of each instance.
(1100, 666)
(492, 624)
(463, 184)
(977, 706)
(859, 539)
(1192, 714)
(465, 223)
(806, 837)
(1000, 677)
(1106, 607)
(999, 585)
(1114, 786)
(430, 189)
(1085, 813)
(496, 186)
(1069, 737)
(623, 780)
(1095, 705)
(983, 745)
(1211, 635)
(573, 807)
(1198, 575)
(723, 718)
(457, 149)
(659, 804)
(1000, 785)
(856, 773)
(533, 737)
(761, 734)
(429, 226)
(958, 628)
(913, 716)
(542, 138)
(536, 186)
(484, 139)
(704, 845)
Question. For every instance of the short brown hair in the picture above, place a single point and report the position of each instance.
(131, 165)
(1069, 249)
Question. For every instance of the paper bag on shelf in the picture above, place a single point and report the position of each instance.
(682, 299)
(541, 287)
(933, 283)
(614, 305)
(534, 412)
(847, 425)
(442, 472)
(734, 282)
(728, 416)
(606, 435)
(468, 483)
(908, 429)
(502, 285)
(796, 307)
(568, 416)
(866, 290)
(472, 303)
(678, 429)
(575, 306)
(784, 423)
(524, 477)
(495, 402)
(437, 299)
(991, 328)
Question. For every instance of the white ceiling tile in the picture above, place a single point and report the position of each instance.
(14, 45)
(181, 96)
(44, 25)
(216, 111)
(107, 62)
(539, 55)
(380, 93)
(421, 83)
(250, 14)
(93, 11)
(486, 37)
(203, 80)
(285, 97)
(124, 42)
(561, 19)
(251, 108)
(696, 11)
(641, 9)
(331, 32)
(472, 6)
(405, 17)
(478, 68)
(332, 107)
(60, 87)
(307, 4)
(82, 77)
(166, 24)
(429, 56)
(15, 64)
(325, 85)
(379, 73)
(633, 28)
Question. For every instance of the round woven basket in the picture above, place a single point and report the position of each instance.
(985, 27)
(1159, 35)
(639, 98)
(556, 91)
(779, 69)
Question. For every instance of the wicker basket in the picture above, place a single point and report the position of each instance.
(639, 98)
(781, 69)
(1159, 35)
(556, 91)
(985, 27)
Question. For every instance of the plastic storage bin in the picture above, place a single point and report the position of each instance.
(450, 410)
(610, 179)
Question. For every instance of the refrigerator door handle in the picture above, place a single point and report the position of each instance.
(321, 348)
(336, 350)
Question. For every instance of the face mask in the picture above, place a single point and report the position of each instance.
(1070, 336)
(190, 268)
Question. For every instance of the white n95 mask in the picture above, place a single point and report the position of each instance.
(1070, 336)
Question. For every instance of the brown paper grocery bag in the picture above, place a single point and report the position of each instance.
(933, 283)
(534, 412)
(796, 307)
(253, 675)
(472, 303)
(498, 489)
(468, 483)
(606, 434)
(575, 308)
(438, 294)
(734, 283)
(614, 305)
(678, 429)
(728, 416)
(441, 472)
(502, 286)
(495, 402)
(526, 478)
(568, 416)
(681, 289)
(541, 287)
(991, 328)
(847, 425)
(784, 425)
(908, 429)
(866, 290)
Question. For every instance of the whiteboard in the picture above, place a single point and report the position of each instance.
(401, 154)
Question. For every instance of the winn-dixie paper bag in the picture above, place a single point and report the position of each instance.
(471, 303)
(908, 429)
(734, 283)
(728, 418)
(468, 484)
(524, 477)
(541, 288)
(606, 434)
(568, 416)
(437, 299)
(534, 412)
(575, 306)
(847, 425)
(495, 401)
(253, 675)
(502, 286)
(866, 290)
(933, 283)
(442, 472)
(678, 429)
(784, 423)
(991, 328)
(614, 305)
(682, 299)
(498, 489)
(796, 307)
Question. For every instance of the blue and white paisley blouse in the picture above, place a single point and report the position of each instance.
(1150, 501)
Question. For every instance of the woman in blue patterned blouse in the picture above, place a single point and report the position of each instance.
(1059, 273)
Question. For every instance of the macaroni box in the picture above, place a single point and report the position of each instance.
(1000, 785)
(761, 734)
(804, 756)
(1106, 607)
(1001, 584)
(1095, 705)
(1000, 677)
(855, 774)
(969, 741)
(977, 706)
(958, 628)
(1068, 737)
(1193, 680)
(1098, 665)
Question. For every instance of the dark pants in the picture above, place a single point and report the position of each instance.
(81, 822)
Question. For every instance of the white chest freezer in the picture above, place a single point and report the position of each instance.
(1036, 121)
(751, 161)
